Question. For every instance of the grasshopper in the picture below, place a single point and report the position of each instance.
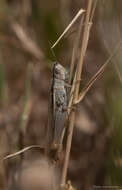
(57, 105)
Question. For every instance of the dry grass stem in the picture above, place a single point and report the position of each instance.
(68, 186)
(26, 114)
(69, 26)
(118, 73)
(71, 73)
(87, 36)
(115, 64)
(97, 75)
(83, 48)
(27, 43)
(75, 48)
(76, 91)
(22, 151)
(93, 10)
(72, 65)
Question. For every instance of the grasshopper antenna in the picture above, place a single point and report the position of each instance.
(53, 53)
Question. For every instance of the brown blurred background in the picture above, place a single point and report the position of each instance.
(26, 26)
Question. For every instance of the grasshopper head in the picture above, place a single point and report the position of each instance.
(59, 71)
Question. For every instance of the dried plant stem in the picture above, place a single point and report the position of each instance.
(83, 49)
(76, 91)
(68, 27)
(93, 10)
(27, 102)
(73, 56)
(71, 75)
(98, 74)
(68, 147)
(75, 48)
(118, 72)
(22, 151)
(115, 64)
(72, 65)
(27, 43)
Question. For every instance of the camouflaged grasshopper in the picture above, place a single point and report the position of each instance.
(57, 105)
